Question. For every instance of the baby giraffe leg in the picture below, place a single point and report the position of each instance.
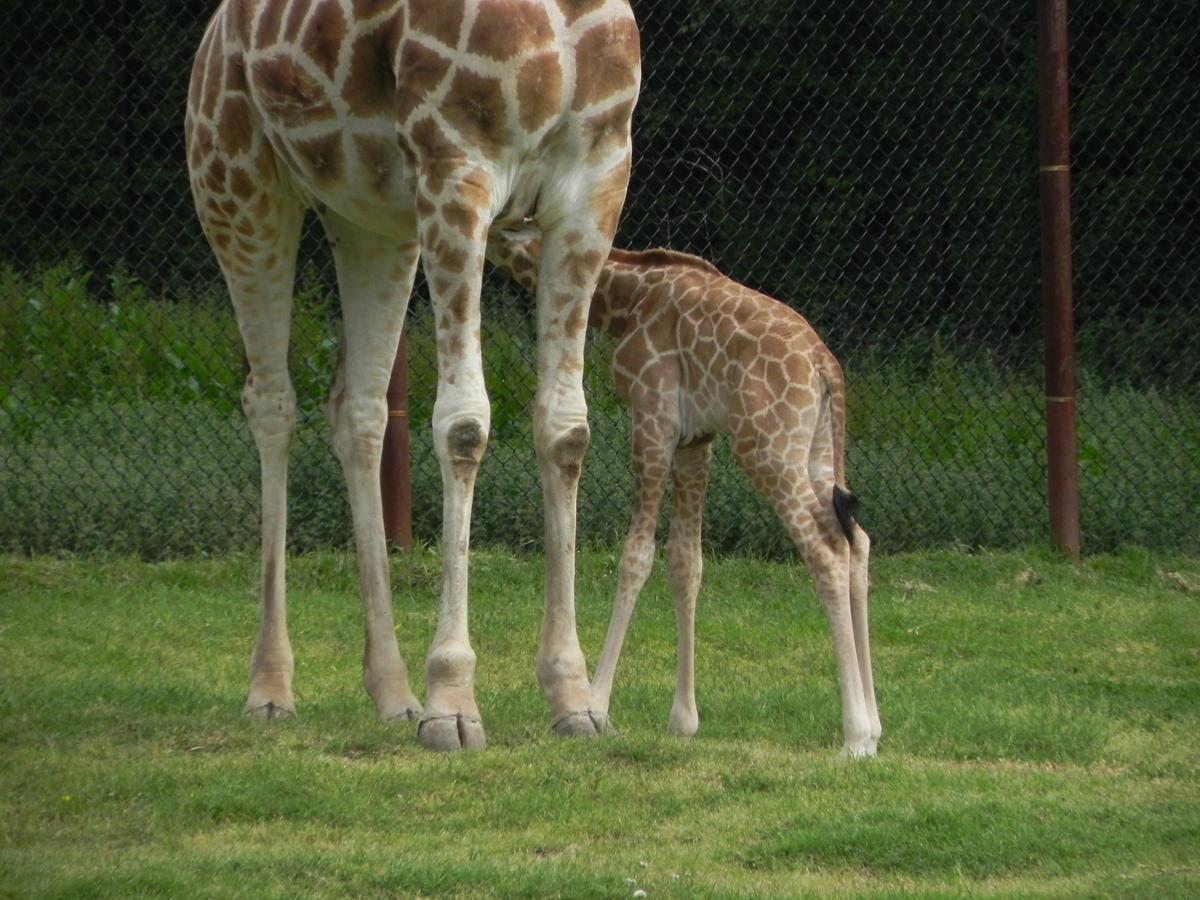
(814, 529)
(651, 462)
(818, 537)
(860, 550)
(684, 568)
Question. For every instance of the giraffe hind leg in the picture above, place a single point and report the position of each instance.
(685, 566)
(375, 276)
(254, 229)
(817, 534)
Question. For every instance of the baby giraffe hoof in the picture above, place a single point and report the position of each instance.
(268, 712)
(586, 724)
(446, 734)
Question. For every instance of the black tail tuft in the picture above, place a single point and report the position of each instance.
(845, 507)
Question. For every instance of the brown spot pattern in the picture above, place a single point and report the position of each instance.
(324, 35)
(451, 258)
(504, 29)
(235, 130)
(295, 19)
(369, 9)
(574, 9)
(370, 85)
(474, 107)
(323, 156)
(420, 71)
(377, 156)
(235, 73)
(460, 303)
(608, 132)
(440, 19)
(539, 90)
(240, 184)
(462, 218)
(435, 152)
(288, 93)
(268, 23)
(213, 72)
(606, 61)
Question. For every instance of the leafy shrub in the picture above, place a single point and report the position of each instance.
(120, 430)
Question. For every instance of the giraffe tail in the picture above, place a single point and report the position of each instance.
(845, 507)
(845, 503)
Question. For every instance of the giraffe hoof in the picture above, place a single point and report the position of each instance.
(849, 752)
(446, 734)
(584, 724)
(268, 712)
(406, 710)
(408, 714)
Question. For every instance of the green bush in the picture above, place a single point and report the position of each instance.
(120, 431)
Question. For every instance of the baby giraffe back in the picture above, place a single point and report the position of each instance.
(739, 361)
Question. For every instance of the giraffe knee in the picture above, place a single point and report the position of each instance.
(566, 451)
(270, 408)
(466, 441)
(461, 445)
(358, 424)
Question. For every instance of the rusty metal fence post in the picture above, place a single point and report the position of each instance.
(394, 472)
(1054, 175)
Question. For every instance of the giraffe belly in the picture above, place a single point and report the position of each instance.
(358, 173)
(703, 413)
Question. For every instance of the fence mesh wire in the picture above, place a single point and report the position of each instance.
(872, 163)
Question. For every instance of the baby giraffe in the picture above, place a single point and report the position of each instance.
(699, 354)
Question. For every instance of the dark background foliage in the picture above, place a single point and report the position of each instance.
(870, 162)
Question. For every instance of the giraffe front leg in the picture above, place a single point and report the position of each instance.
(571, 258)
(453, 226)
(655, 430)
(270, 406)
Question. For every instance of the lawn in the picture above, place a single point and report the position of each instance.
(1040, 721)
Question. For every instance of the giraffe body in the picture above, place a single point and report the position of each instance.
(412, 127)
(700, 355)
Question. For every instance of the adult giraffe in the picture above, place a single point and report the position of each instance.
(411, 127)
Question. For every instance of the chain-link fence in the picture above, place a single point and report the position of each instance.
(870, 162)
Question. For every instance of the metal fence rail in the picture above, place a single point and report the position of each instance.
(873, 163)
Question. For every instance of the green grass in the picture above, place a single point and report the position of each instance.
(1040, 737)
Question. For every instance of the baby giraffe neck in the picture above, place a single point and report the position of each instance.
(612, 300)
